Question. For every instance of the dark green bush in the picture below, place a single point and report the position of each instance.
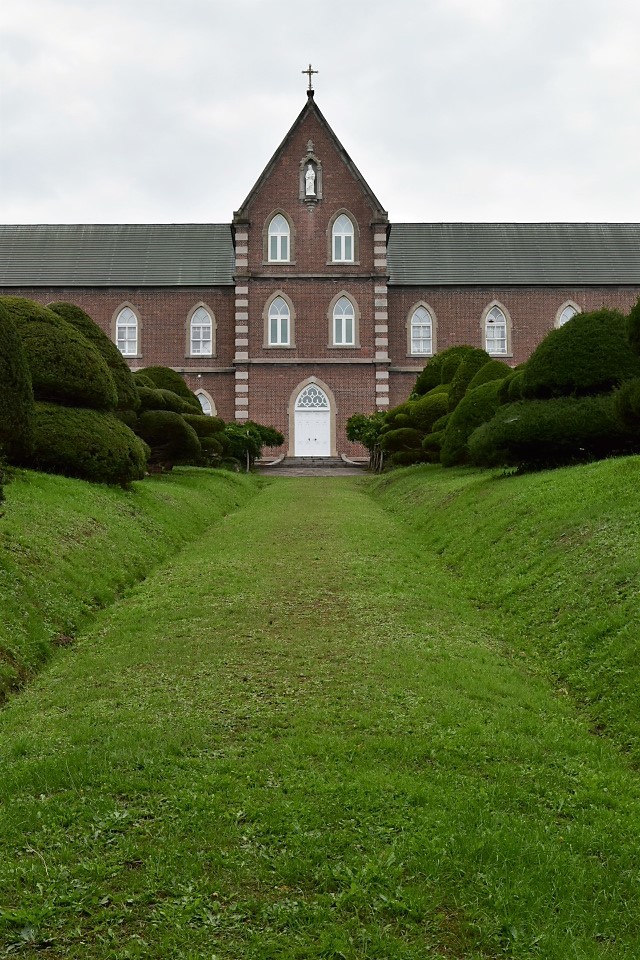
(122, 376)
(441, 423)
(404, 438)
(406, 458)
(141, 381)
(493, 370)
(591, 354)
(212, 450)
(633, 327)
(88, 444)
(164, 378)
(426, 410)
(269, 436)
(466, 371)
(204, 426)
(402, 411)
(65, 367)
(534, 434)
(440, 369)
(16, 393)
(171, 439)
(626, 404)
(432, 445)
(157, 399)
(475, 408)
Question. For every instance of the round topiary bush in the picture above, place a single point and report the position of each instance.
(405, 438)
(406, 458)
(84, 443)
(170, 438)
(203, 425)
(440, 369)
(626, 404)
(212, 450)
(141, 381)
(441, 423)
(16, 393)
(122, 376)
(398, 416)
(464, 374)
(475, 408)
(493, 370)
(533, 434)
(164, 378)
(426, 410)
(432, 445)
(65, 367)
(591, 354)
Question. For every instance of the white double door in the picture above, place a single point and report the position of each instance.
(312, 433)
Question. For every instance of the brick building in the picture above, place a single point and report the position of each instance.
(310, 305)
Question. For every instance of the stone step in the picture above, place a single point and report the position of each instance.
(326, 463)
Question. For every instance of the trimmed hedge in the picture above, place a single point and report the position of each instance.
(164, 378)
(626, 404)
(141, 381)
(405, 438)
(432, 445)
(87, 444)
(65, 367)
(591, 354)
(633, 327)
(406, 458)
(203, 425)
(493, 370)
(534, 434)
(170, 438)
(440, 369)
(156, 399)
(122, 376)
(398, 416)
(475, 408)
(426, 410)
(465, 373)
(16, 392)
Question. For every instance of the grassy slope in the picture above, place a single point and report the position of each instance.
(68, 548)
(311, 747)
(555, 556)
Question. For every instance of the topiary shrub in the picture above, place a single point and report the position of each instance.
(16, 393)
(533, 434)
(406, 458)
(426, 410)
(405, 438)
(398, 416)
(170, 438)
(441, 423)
(164, 378)
(65, 367)
(84, 443)
(464, 374)
(203, 425)
(633, 327)
(122, 376)
(626, 404)
(432, 445)
(212, 451)
(493, 370)
(475, 408)
(440, 369)
(591, 354)
(141, 381)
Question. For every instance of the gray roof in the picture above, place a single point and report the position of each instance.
(194, 254)
(512, 253)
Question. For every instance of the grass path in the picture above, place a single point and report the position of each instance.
(299, 740)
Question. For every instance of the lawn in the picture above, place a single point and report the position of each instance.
(308, 736)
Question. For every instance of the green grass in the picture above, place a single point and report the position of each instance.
(68, 548)
(302, 738)
(555, 556)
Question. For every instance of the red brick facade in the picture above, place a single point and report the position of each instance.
(246, 378)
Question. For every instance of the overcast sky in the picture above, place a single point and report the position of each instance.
(167, 110)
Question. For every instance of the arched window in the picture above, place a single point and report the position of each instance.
(344, 326)
(279, 235)
(421, 332)
(201, 333)
(342, 236)
(208, 407)
(127, 332)
(566, 313)
(495, 331)
(279, 323)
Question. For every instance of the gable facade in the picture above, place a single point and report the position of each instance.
(310, 306)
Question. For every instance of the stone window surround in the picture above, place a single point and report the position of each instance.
(483, 329)
(356, 240)
(562, 308)
(266, 262)
(113, 326)
(332, 345)
(199, 392)
(292, 323)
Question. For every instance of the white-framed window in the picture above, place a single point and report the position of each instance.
(127, 332)
(495, 331)
(567, 312)
(201, 333)
(279, 236)
(344, 323)
(279, 323)
(342, 240)
(421, 332)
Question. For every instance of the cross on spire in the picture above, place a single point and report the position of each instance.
(309, 71)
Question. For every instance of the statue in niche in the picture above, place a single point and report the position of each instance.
(310, 181)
